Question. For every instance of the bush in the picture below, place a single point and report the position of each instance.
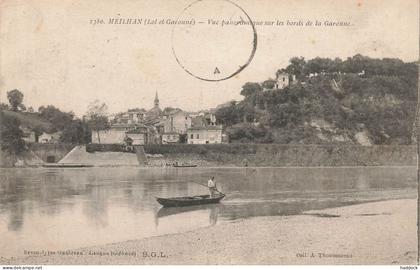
(94, 147)
(247, 133)
(201, 149)
(11, 135)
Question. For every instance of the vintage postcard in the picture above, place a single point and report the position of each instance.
(269, 132)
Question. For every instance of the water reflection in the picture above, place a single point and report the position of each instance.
(89, 206)
(15, 217)
(213, 211)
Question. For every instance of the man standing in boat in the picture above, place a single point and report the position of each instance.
(211, 184)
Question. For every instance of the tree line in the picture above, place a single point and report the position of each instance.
(377, 96)
(72, 129)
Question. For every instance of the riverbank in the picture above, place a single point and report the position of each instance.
(371, 233)
(277, 155)
(221, 155)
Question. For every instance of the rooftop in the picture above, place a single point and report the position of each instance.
(206, 128)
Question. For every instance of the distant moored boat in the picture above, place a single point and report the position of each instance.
(66, 165)
(185, 165)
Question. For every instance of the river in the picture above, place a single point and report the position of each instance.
(59, 209)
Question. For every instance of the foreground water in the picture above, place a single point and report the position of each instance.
(59, 209)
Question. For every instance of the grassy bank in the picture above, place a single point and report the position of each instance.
(277, 155)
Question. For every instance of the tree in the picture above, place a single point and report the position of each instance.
(246, 132)
(59, 119)
(183, 138)
(77, 132)
(15, 98)
(318, 65)
(269, 84)
(11, 135)
(250, 88)
(97, 117)
(228, 115)
(4, 106)
(283, 114)
(356, 64)
(296, 67)
(247, 111)
(38, 132)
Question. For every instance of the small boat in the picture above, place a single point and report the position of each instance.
(66, 165)
(188, 201)
(184, 166)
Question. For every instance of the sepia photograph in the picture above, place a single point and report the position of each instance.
(209, 132)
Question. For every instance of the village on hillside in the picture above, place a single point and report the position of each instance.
(157, 126)
(133, 127)
(140, 126)
(170, 126)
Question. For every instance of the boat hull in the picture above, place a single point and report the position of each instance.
(66, 165)
(189, 201)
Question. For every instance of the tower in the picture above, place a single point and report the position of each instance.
(156, 100)
(282, 80)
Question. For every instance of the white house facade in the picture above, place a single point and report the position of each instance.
(204, 135)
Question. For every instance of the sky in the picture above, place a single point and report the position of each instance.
(51, 52)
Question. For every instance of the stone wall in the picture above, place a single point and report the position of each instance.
(50, 152)
(79, 155)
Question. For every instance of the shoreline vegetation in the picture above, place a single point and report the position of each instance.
(222, 155)
(368, 233)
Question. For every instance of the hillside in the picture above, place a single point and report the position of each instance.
(358, 101)
(29, 120)
(48, 119)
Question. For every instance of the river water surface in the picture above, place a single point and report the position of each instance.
(58, 209)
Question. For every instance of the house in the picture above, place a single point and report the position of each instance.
(284, 79)
(177, 121)
(115, 134)
(133, 116)
(137, 136)
(118, 134)
(138, 116)
(225, 138)
(209, 118)
(170, 137)
(49, 137)
(204, 119)
(204, 135)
